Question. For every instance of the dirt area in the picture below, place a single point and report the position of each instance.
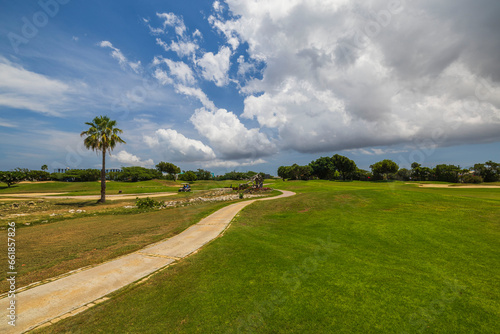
(451, 186)
(29, 195)
(35, 182)
(15, 197)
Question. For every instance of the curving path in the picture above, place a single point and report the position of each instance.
(48, 303)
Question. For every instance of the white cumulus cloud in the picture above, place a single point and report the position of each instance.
(215, 67)
(172, 20)
(175, 146)
(233, 163)
(129, 159)
(182, 48)
(229, 136)
(368, 73)
(181, 71)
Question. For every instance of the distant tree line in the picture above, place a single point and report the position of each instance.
(481, 172)
(340, 167)
(336, 167)
(325, 168)
(134, 174)
(163, 170)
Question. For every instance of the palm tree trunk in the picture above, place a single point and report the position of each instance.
(103, 178)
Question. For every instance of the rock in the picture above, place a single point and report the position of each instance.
(15, 205)
(71, 211)
(44, 221)
(27, 224)
(31, 203)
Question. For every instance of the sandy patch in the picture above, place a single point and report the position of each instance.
(34, 182)
(31, 195)
(456, 187)
(16, 197)
(115, 197)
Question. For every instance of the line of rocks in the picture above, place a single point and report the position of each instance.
(213, 196)
(222, 198)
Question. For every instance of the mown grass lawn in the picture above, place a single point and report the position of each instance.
(336, 258)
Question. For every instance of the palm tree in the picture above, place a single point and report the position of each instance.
(102, 136)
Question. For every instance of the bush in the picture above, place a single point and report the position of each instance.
(202, 174)
(241, 195)
(57, 176)
(37, 175)
(189, 176)
(403, 174)
(447, 173)
(362, 175)
(147, 203)
(134, 174)
(234, 175)
(11, 178)
(470, 178)
(83, 175)
(385, 169)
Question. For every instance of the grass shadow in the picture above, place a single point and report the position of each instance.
(7, 187)
(78, 204)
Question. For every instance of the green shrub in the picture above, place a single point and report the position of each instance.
(134, 174)
(147, 203)
(470, 178)
(189, 176)
(241, 195)
(37, 175)
(11, 178)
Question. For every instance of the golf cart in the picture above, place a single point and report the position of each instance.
(185, 187)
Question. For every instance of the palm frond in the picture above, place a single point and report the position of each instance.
(102, 135)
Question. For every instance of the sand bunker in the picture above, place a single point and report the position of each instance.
(451, 186)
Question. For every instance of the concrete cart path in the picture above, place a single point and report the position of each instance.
(69, 295)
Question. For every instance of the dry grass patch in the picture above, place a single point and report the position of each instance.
(47, 250)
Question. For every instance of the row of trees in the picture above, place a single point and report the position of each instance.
(481, 172)
(325, 168)
(174, 172)
(489, 171)
(77, 175)
(295, 172)
(233, 175)
(341, 167)
(132, 174)
(127, 174)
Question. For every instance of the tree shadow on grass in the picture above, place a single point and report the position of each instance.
(79, 204)
(7, 187)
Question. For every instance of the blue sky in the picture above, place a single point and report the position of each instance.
(251, 85)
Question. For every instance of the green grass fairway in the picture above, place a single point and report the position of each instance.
(339, 257)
